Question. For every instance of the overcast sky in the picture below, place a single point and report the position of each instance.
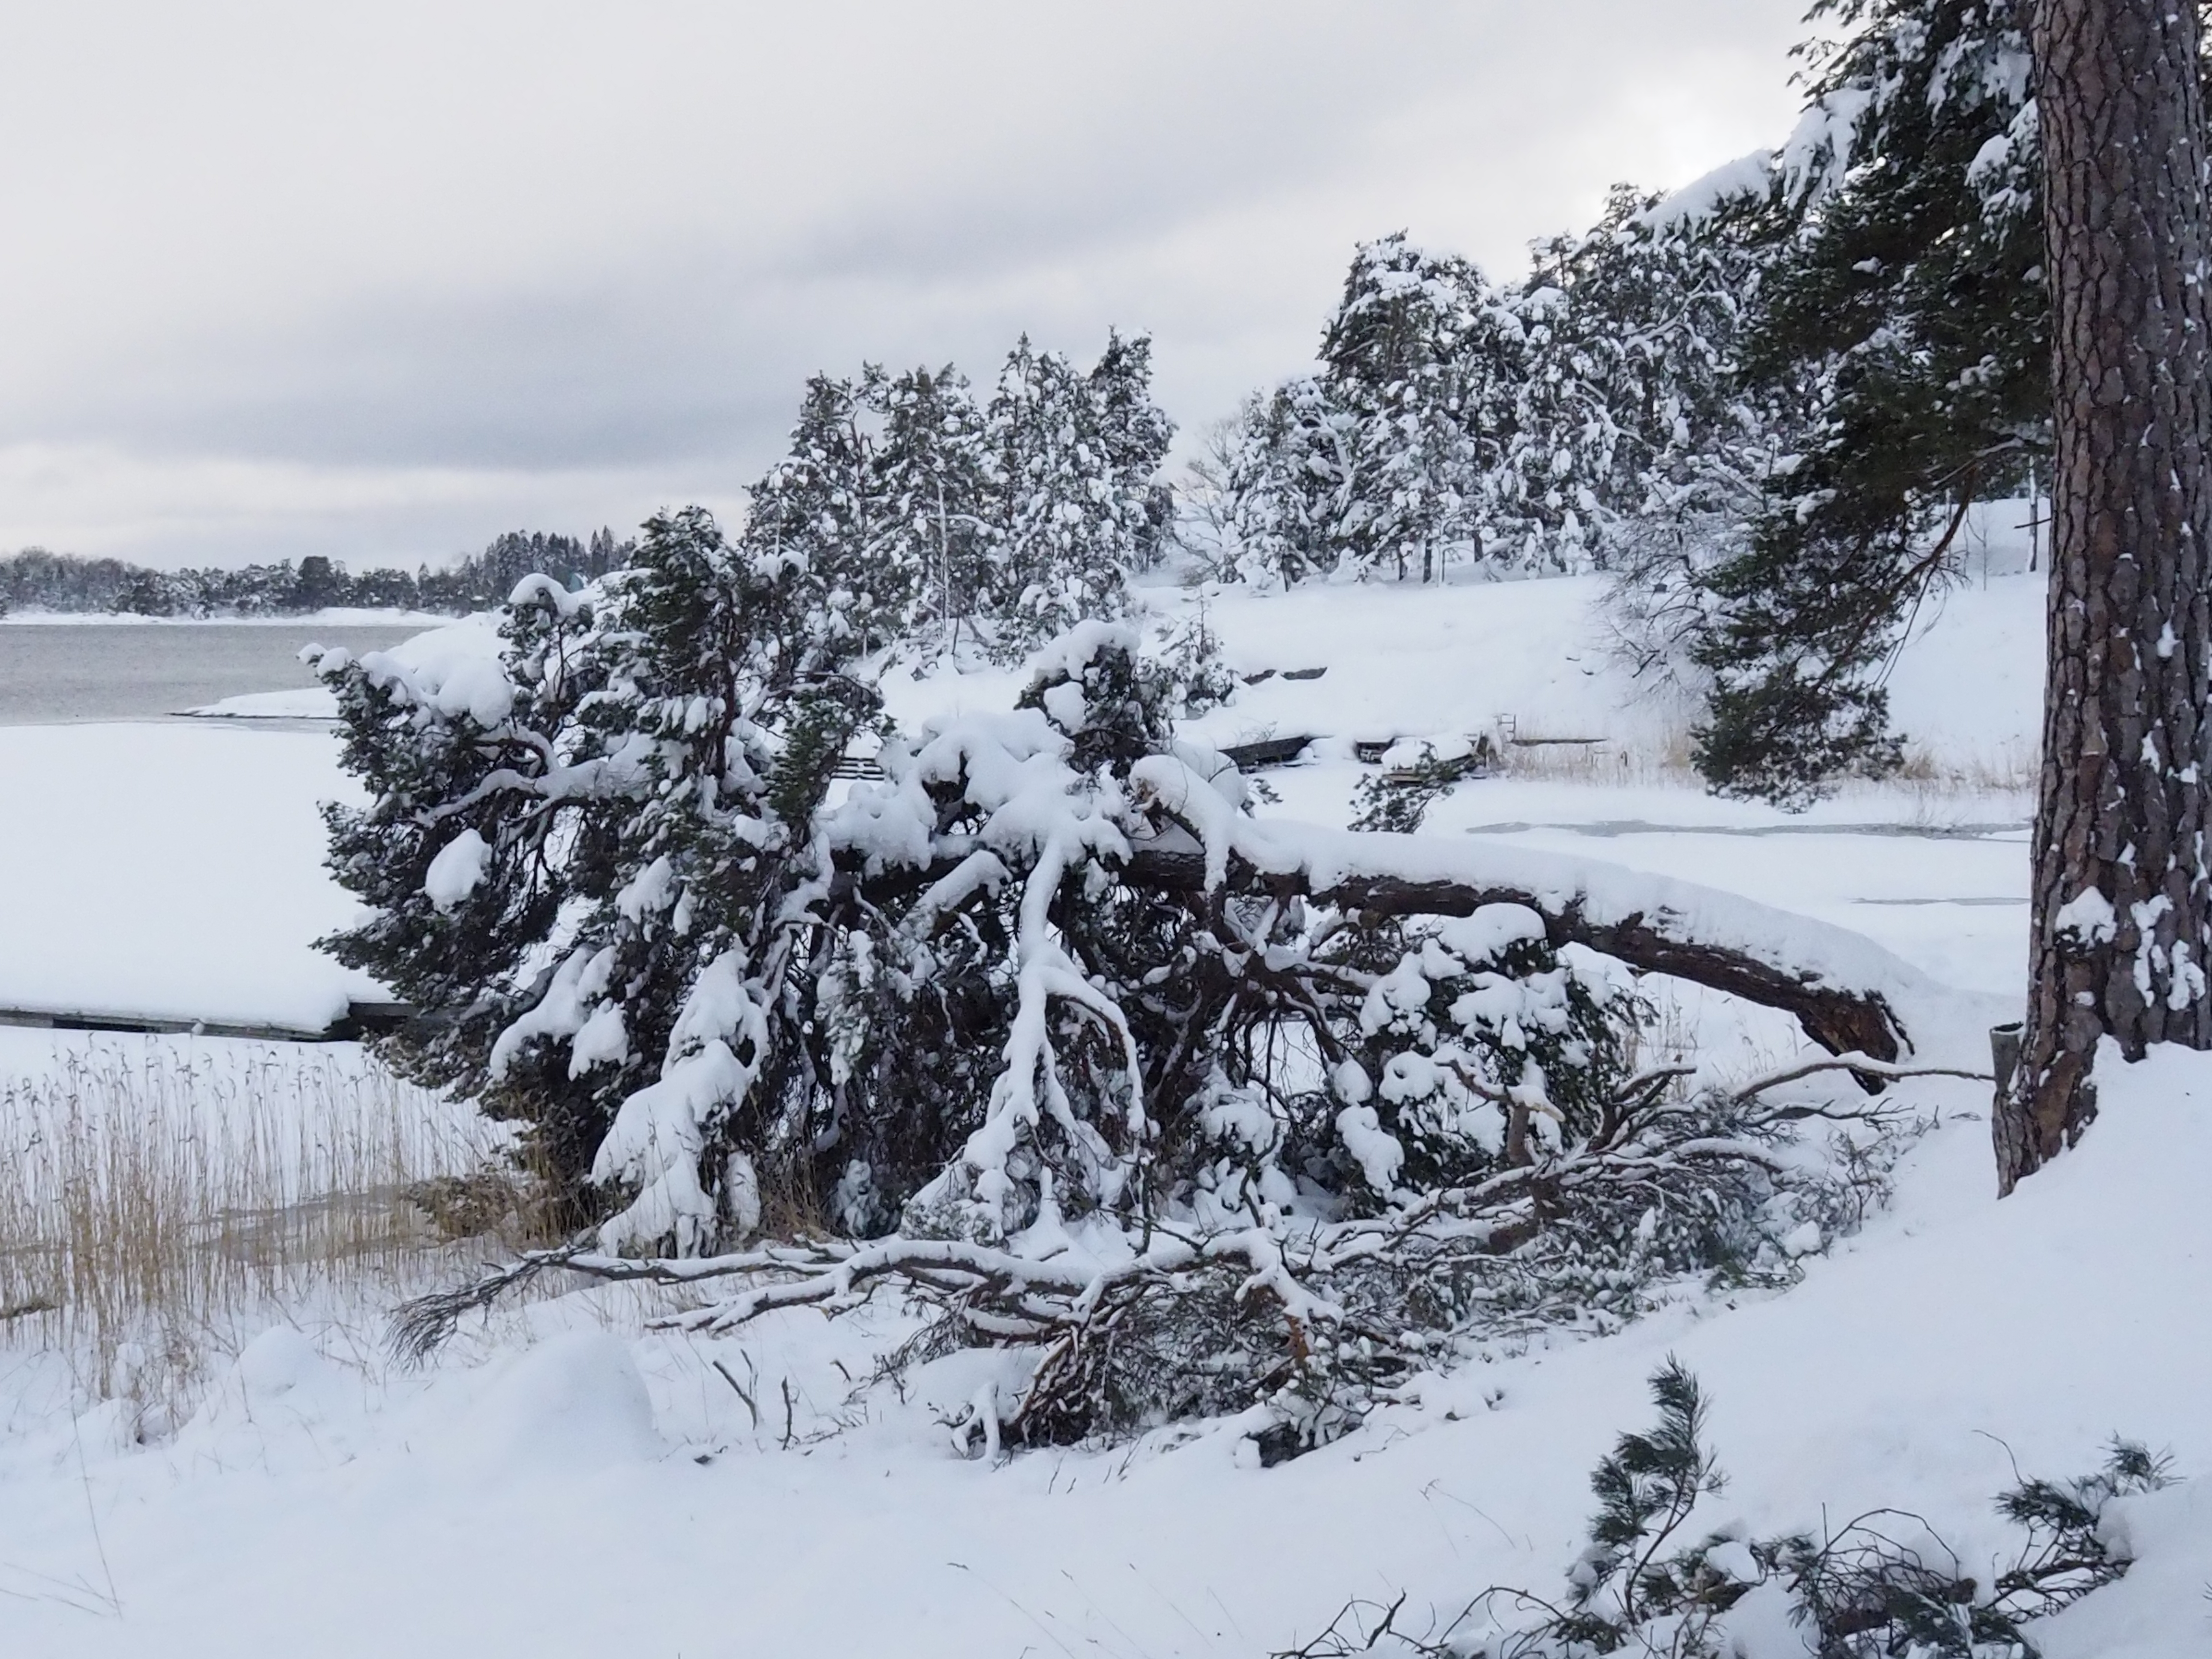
(379, 280)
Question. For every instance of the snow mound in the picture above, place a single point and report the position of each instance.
(576, 1402)
(2146, 1615)
(454, 873)
(280, 1361)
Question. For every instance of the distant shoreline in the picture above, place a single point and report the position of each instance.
(342, 616)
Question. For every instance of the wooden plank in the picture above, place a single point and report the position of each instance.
(1268, 751)
(362, 1019)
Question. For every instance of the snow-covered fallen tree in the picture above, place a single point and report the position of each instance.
(1215, 1112)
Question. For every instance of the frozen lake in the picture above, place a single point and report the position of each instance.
(54, 673)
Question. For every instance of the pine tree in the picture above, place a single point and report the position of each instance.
(1627, 422)
(635, 781)
(1285, 480)
(443, 759)
(1041, 450)
(931, 475)
(1532, 430)
(2121, 929)
(722, 675)
(1134, 434)
(1073, 459)
(823, 503)
(1906, 282)
(1401, 358)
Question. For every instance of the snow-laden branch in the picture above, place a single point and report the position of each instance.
(1850, 994)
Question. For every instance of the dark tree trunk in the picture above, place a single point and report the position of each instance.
(2120, 936)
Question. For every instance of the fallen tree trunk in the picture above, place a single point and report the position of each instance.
(1840, 1017)
(1846, 992)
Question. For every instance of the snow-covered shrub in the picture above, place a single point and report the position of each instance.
(1884, 1586)
(1189, 653)
(1398, 798)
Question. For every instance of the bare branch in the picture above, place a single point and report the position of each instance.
(1854, 1063)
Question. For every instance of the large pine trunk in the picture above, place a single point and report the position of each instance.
(2122, 918)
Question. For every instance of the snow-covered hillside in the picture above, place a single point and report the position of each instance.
(564, 1481)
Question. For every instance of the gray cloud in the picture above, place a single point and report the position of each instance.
(380, 282)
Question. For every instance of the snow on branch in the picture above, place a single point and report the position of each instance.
(1848, 993)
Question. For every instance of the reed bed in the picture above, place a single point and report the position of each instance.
(159, 1200)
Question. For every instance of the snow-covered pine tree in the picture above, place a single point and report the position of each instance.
(1044, 576)
(463, 890)
(823, 502)
(1287, 468)
(2120, 927)
(1073, 460)
(1408, 359)
(1135, 435)
(1045, 983)
(932, 476)
(1906, 283)
(592, 865)
(1532, 429)
(1625, 426)
(724, 667)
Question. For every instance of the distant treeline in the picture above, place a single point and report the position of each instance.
(35, 579)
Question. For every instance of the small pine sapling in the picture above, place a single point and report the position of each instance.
(1883, 1587)
(1396, 800)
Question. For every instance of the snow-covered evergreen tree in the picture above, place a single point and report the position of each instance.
(1529, 430)
(1404, 360)
(1627, 417)
(1285, 486)
(1044, 1022)
(824, 502)
(1905, 284)
(595, 860)
(1048, 569)
(932, 472)
(1135, 435)
(1073, 459)
(949, 525)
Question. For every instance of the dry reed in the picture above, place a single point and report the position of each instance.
(155, 1200)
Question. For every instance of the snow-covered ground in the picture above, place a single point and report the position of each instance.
(555, 1488)
(175, 870)
(562, 1481)
(172, 871)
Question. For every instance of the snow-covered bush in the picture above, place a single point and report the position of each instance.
(1882, 1586)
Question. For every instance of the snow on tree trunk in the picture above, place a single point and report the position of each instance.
(2123, 911)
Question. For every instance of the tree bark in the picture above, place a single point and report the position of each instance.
(2120, 932)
